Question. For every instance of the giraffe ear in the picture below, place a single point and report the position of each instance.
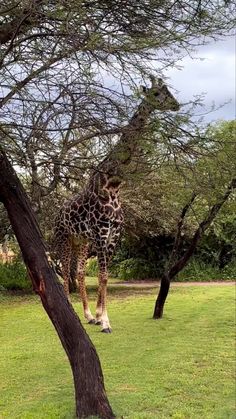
(153, 81)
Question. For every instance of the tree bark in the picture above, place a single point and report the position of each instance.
(90, 393)
(161, 298)
(177, 242)
(175, 267)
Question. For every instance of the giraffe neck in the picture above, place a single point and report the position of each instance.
(113, 165)
(130, 139)
(121, 155)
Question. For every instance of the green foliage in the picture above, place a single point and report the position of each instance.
(92, 267)
(179, 367)
(218, 247)
(197, 270)
(204, 164)
(13, 276)
(136, 269)
(229, 271)
(142, 258)
(207, 167)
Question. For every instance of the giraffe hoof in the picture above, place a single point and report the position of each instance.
(107, 330)
(98, 323)
(92, 321)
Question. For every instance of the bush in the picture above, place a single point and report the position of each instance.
(229, 271)
(196, 270)
(199, 271)
(92, 267)
(127, 269)
(13, 276)
(136, 269)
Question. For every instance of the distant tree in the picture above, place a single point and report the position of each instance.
(175, 264)
(213, 183)
(171, 169)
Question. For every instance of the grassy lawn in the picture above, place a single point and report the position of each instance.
(179, 367)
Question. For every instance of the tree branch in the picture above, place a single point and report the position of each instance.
(25, 20)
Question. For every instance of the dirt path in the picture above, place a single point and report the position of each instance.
(154, 284)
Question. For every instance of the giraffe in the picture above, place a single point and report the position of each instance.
(93, 220)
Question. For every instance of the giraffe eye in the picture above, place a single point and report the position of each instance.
(157, 94)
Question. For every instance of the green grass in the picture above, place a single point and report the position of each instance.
(180, 367)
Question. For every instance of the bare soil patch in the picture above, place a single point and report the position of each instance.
(153, 284)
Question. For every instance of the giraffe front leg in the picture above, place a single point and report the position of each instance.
(101, 311)
(84, 297)
(80, 281)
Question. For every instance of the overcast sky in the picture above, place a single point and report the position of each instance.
(214, 75)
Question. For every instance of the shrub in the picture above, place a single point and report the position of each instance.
(229, 271)
(197, 270)
(13, 276)
(136, 269)
(92, 267)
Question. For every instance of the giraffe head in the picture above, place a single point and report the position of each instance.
(159, 96)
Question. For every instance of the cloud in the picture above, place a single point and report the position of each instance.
(212, 71)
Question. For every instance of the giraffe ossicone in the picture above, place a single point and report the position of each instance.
(93, 220)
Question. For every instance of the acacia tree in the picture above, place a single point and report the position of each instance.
(212, 178)
(88, 379)
(176, 264)
(186, 191)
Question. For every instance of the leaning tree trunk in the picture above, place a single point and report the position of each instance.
(90, 394)
(177, 266)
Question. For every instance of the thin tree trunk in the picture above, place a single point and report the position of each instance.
(175, 267)
(165, 280)
(162, 295)
(90, 394)
(177, 242)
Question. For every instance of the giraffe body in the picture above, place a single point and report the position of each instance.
(92, 221)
